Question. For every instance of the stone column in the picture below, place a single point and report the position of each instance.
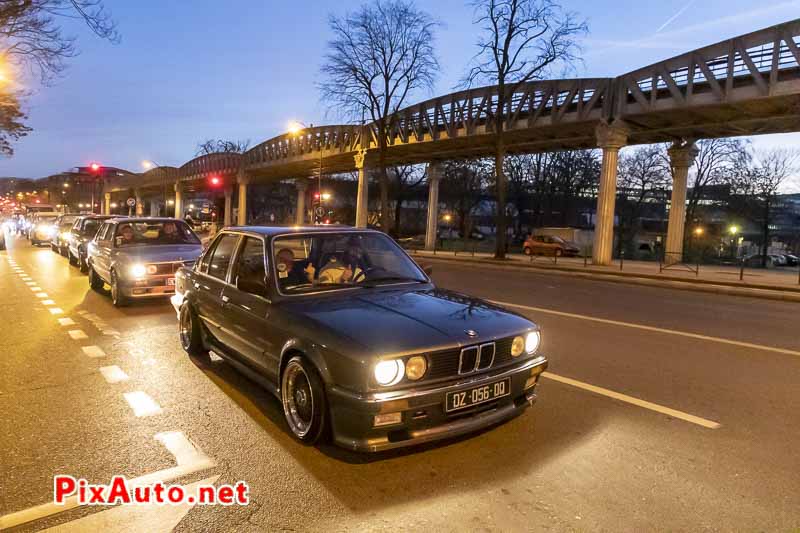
(434, 176)
(300, 216)
(681, 156)
(228, 214)
(243, 180)
(139, 203)
(362, 200)
(178, 200)
(106, 204)
(610, 137)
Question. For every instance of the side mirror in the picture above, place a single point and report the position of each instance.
(428, 269)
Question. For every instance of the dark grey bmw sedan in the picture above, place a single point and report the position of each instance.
(353, 337)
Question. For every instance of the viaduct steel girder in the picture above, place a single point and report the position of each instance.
(747, 85)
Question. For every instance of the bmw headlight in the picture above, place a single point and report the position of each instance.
(517, 346)
(389, 372)
(416, 367)
(138, 271)
(532, 341)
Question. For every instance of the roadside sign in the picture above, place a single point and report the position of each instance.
(131, 202)
(319, 211)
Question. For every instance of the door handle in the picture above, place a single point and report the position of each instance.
(225, 299)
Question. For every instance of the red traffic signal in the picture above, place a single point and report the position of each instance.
(95, 167)
(215, 181)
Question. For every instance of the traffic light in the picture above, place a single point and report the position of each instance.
(215, 181)
(95, 167)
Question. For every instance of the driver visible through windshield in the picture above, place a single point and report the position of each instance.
(335, 260)
(154, 232)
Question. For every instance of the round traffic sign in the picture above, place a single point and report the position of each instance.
(319, 211)
(131, 202)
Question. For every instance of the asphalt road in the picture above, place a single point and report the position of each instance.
(583, 458)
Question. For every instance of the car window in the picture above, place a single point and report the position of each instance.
(221, 256)
(154, 232)
(90, 227)
(250, 273)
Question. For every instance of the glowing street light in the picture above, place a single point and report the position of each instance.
(733, 230)
(295, 127)
(698, 231)
(447, 218)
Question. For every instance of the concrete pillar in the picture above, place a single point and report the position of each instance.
(178, 200)
(681, 156)
(106, 204)
(362, 199)
(243, 180)
(155, 208)
(302, 186)
(139, 203)
(610, 137)
(228, 214)
(434, 177)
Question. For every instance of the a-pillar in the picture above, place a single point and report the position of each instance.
(362, 199)
(106, 204)
(434, 177)
(178, 200)
(610, 137)
(243, 180)
(300, 217)
(139, 203)
(228, 214)
(681, 156)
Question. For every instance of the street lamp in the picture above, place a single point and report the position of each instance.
(295, 127)
(698, 231)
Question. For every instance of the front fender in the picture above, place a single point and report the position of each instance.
(308, 349)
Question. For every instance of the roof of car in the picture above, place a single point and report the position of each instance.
(144, 219)
(270, 231)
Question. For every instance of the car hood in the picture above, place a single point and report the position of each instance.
(160, 253)
(405, 321)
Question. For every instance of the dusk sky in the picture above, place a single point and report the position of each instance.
(189, 71)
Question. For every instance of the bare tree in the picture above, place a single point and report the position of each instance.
(523, 40)
(379, 56)
(31, 36)
(758, 177)
(644, 176)
(714, 160)
(407, 178)
(12, 127)
(462, 188)
(215, 146)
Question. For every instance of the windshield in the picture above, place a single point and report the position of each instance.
(335, 260)
(45, 220)
(90, 226)
(154, 233)
(67, 221)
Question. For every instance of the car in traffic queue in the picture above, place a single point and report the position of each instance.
(138, 257)
(83, 231)
(42, 228)
(59, 243)
(550, 245)
(353, 337)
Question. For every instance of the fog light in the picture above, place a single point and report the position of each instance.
(152, 269)
(416, 367)
(387, 419)
(517, 346)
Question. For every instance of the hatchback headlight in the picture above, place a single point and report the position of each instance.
(389, 372)
(532, 341)
(138, 271)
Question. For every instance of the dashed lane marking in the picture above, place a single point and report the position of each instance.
(142, 404)
(55, 310)
(178, 445)
(651, 328)
(93, 351)
(41, 295)
(710, 424)
(77, 334)
(114, 374)
(66, 321)
(48, 302)
(202, 462)
(36, 288)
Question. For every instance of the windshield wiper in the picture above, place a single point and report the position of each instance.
(374, 282)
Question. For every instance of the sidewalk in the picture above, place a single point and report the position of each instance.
(780, 284)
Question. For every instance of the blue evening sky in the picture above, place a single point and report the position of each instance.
(191, 70)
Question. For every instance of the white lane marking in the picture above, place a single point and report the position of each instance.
(652, 328)
(48, 302)
(111, 332)
(93, 351)
(142, 404)
(178, 445)
(123, 518)
(82, 312)
(55, 310)
(77, 334)
(114, 374)
(66, 321)
(36, 288)
(40, 294)
(710, 424)
(30, 283)
(47, 509)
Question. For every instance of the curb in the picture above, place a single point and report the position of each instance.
(788, 294)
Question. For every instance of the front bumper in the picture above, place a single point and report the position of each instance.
(423, 415)
(149, 287)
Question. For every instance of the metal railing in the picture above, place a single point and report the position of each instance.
(675, 261)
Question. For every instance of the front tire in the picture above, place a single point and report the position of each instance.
(303, 398)
(117, 298)
(190, 335)
(95, 281)
(83, 265)
(72, 260)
